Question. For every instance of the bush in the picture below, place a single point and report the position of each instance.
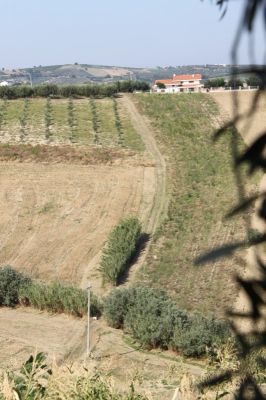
(116, 306)
(200, 335)
(153, 319)
(11, 282)
(148, 314)
(121, 247)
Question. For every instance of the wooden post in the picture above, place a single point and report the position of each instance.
(88, 327)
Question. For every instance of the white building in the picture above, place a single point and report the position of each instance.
(4, 83)
(178, 84)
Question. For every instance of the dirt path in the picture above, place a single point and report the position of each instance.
(250, 129)
(23, 331)
(143, 127)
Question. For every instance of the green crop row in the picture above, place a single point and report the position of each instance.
(120, 248)
(85, 122)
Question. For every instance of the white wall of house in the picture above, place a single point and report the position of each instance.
(176, 89)
(4, 83)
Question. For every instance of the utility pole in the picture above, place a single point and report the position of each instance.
(88, 327)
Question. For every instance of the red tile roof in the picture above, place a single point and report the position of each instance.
(193, 77)
(178, 78)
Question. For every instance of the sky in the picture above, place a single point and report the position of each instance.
(133, 33)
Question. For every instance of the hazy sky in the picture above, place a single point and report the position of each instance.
(118, 32)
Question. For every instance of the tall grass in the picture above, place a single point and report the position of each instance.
(120, 248)
(16, 288)
(36, 380)
(58, 298)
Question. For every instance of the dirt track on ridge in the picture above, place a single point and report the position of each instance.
(143, 126)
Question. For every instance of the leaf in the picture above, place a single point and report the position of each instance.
(254, 155)
(228, 250)
(223, 251)
(244, 205)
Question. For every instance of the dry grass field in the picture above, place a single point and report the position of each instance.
(56, 218)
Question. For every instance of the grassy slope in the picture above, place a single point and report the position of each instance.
(35, 124)
(201, 189)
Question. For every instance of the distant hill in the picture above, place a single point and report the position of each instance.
(83, 73)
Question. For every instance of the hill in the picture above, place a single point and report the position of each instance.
(80, 73)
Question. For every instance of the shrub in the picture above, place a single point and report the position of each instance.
(199, 335)
(11, 282)
(121, 247)
(148, 314)
(153, 319)
(116, 306)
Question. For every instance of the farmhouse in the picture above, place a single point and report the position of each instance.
(179, 83)
(4, 83)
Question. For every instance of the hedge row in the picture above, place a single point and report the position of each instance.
(120, 248)
(16, 288)
(153, 320)
(86, 90)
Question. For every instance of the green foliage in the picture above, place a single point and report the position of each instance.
(35, 381)
(58, 298)
(255, 81)
(3, 114)
(11, 282)
(214, 83)
(200, 335)
(234, 83)
(161, 85)
(95, 122)
(16, 288)
(119, 250)
(75, 91)
(72, 120)
(197, 201)
(118, 123)
(48, 118)
(23, 120)
(30, 382)
(153, 319)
